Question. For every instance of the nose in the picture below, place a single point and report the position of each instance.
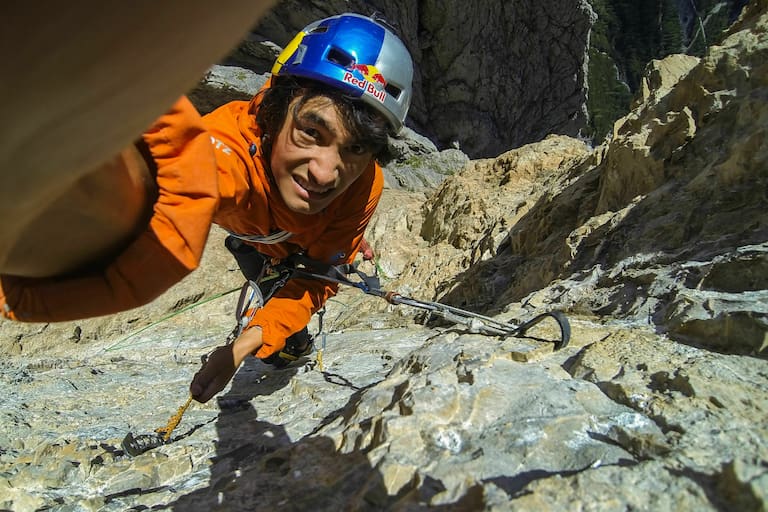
(324, 167)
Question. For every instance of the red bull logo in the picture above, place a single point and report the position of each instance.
(370, 73)
(367, 78)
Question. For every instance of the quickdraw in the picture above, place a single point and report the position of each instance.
(136, 445)
(474, 322)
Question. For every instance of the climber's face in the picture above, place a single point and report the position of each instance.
(314, 158)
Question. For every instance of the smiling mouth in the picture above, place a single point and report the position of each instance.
(312, 191)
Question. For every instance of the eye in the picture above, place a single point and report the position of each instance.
(310, 132)
(357, 149)
(307, 134)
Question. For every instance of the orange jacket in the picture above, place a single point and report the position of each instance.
(169, 249)
(190, 193)
(250, 204)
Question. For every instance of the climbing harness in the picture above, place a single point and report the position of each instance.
(275, 275)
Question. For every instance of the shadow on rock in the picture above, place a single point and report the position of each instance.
(258, 467)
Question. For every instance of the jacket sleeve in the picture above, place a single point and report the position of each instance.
(169, 248)
(292, 307)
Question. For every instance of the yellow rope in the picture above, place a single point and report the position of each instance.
(174, 421)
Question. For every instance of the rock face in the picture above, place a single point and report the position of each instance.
(653, 243)
(627, 35)
(489, 77)
(666, 223)
(493, 76)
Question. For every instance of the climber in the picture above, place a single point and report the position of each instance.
(297, 173)
(293, 170)
(134, 225)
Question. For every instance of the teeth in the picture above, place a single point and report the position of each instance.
(312, 189)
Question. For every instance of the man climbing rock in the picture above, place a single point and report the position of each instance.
(297, 173)
(294, 171)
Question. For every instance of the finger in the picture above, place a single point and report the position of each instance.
(206, 394)
(196, 389)
(200, 383)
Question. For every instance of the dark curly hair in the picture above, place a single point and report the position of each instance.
(366, 126)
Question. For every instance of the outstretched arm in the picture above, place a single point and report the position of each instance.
(165, 249)
(80, 83)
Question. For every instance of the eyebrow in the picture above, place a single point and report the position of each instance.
(316, 119)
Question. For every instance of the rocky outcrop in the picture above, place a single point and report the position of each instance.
(394, 418)
(495, 77)
(414, 163)
(665, 223)
(628, 35)
(486, 78)
(222, 84)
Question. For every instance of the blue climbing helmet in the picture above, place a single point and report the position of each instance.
(358, 55)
